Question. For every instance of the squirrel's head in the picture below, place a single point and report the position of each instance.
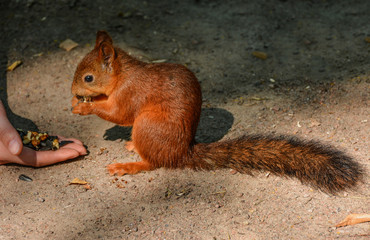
(95, 74)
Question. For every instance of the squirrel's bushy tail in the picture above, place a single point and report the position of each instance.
(312, 163)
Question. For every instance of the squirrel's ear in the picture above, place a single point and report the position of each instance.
(107, 54)
(102, 36)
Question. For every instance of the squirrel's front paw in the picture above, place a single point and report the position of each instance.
(82, 108)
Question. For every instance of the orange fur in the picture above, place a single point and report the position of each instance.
(162, 102)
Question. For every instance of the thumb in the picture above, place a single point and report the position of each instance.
(8, 135)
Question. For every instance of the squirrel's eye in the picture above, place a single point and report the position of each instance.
(89, 78)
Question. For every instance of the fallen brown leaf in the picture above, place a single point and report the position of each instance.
(258, 98)
(14, 65)
(260, 55)
(78, 181)
(159, 61)
(68, 45)
(353, 219)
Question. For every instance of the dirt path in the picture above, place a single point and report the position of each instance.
(314, 84)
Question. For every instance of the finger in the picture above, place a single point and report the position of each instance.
(75, 146)
(51, 157)
(3, 162)
(8, 135)
(32, 158)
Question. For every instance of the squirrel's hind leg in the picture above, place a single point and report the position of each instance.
(129, 168)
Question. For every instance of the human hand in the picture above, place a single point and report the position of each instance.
(12, 150)
(30, 157)
(9, 137)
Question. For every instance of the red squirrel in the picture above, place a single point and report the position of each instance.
(162, 102)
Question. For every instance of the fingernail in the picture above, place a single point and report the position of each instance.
(14, 146)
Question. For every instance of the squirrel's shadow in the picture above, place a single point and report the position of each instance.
(213, 125)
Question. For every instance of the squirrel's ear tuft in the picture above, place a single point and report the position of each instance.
(102, 36)
(107, 54)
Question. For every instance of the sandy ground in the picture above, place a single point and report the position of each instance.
(314, 84)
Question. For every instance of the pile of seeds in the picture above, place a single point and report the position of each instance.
(84, 99)
(39, 141)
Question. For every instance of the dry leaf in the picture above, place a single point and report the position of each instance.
(14, 65)
(68, 44)
(78, 181)
(353, 219)
(159, 61)
(260, 55)
(38, 54)
(258, 98)
(367, 39)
